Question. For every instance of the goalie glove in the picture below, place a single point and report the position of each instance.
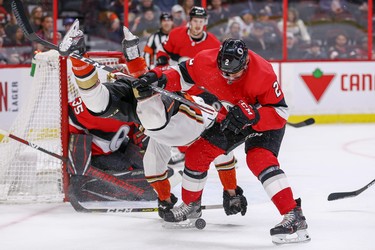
(239, 117)
(130, 45)
(235, 204)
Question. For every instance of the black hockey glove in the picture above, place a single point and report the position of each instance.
(239, 117)
(142, 88)
(162, 61)
(235, 204)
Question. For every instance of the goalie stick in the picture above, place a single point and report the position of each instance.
(24, 23)
(304, 123)
(343, 195)
(92, 172)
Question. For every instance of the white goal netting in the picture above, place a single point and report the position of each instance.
(26, 174)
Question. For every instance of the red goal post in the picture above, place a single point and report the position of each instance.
(28, 175)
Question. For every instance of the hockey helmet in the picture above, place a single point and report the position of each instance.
(166, 16)
(232, 56)
(198, 12)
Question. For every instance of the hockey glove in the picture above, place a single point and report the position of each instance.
(162, 61)
(239, 117)
(130, 45)
(142, 88)
(235, 204)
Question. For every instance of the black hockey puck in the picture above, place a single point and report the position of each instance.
(200, 223)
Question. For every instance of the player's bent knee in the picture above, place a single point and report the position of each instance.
(259, 159)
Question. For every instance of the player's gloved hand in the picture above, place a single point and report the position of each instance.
(130, 45)
(239, 117)
(142, 88)
(162, 61)
(235, 204)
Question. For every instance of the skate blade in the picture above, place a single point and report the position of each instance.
(198, 223)
(301, 236)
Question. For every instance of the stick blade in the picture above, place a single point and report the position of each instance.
(337, 196)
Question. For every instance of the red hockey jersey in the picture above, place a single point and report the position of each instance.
(108, 133)
(257, 86)
(179, 43)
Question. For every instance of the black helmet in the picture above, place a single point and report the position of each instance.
(166, 16)
(199, 12)
(232, 56)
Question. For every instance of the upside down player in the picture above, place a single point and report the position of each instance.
(167, 122)
(256, 114)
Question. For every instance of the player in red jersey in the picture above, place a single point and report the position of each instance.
(185, 42)
(255, 113)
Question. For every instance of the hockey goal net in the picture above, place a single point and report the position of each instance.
(29, 175)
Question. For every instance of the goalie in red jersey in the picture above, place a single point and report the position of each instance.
(254, 113)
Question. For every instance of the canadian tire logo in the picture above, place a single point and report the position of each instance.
(317, 83)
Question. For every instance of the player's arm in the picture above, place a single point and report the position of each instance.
(273, 112)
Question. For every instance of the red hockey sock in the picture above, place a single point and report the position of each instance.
(284, 201)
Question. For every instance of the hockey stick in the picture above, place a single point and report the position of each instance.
(304, 123)
(92, 172)
(343, 195)
(24, 23)
(79, 208)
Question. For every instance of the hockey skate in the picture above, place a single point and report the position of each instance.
(292, 229)
(73, 41)
(185, 216)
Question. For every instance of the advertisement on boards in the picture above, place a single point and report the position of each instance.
(329, 87)
(15, 84)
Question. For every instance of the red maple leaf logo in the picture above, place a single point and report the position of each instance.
(317, 83)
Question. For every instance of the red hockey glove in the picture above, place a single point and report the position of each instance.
(239, 117)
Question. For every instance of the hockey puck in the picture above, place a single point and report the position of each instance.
(200, 223)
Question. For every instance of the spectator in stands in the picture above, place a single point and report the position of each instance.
(217, 18)
(246, 20)
(340, 48)
(4, 15)
(296, 26)
(3, 54)
(187, 5)
(293, 47)
(145, 5)
(11, 26)
(3, 35)
(271, 7)
(333, 7)
(315, 52)
(46, 33)
(19, 39)
(179, 17)
(156, 39)
(117, 7)
(110, 26)
(270, 26)
(67, 22)
(145, 25)
(234, 32)
(362, 49)
(36, 18)
(262, 44)
(165, 5)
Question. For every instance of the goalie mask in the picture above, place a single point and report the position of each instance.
(232, 57)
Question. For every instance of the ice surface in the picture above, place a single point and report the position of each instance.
(318, 160)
